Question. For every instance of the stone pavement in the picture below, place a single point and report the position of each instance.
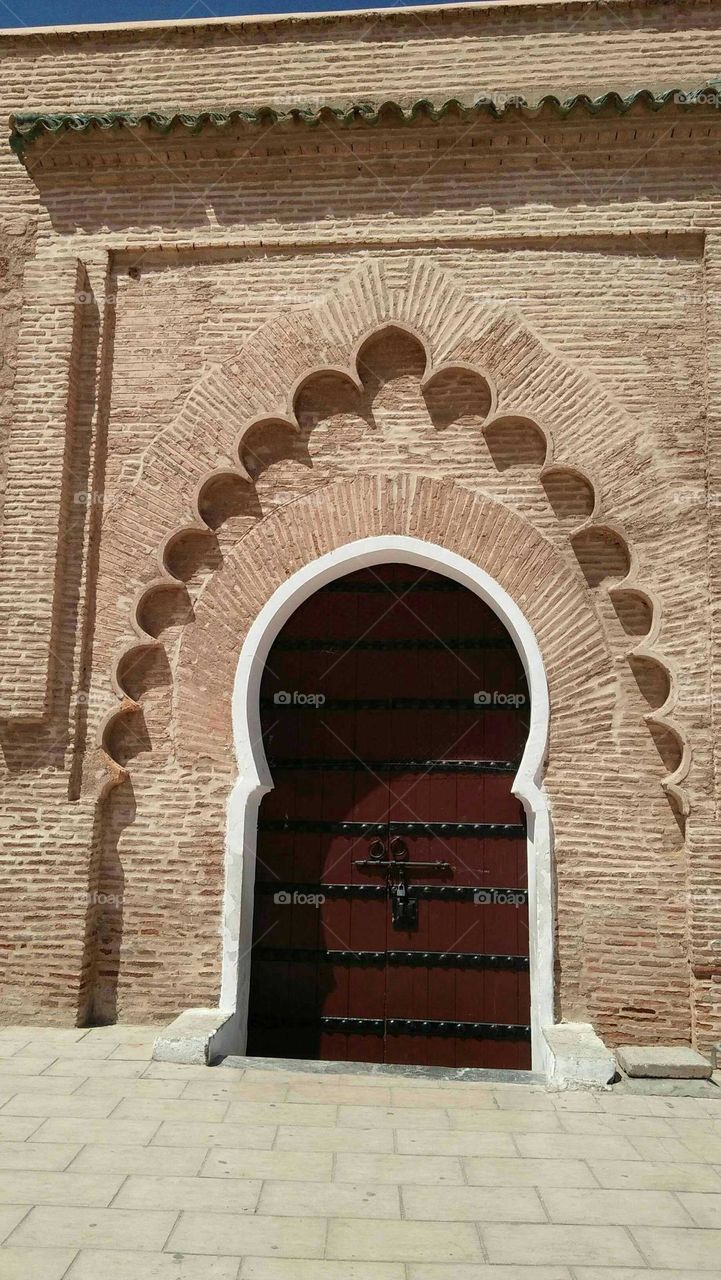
(113, 1167)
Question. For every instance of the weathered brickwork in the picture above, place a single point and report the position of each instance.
(237, 349)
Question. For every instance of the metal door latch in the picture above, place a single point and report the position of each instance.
(404, 910)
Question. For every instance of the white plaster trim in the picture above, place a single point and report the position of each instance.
(254, 779)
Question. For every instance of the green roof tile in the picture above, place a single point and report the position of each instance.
(26, 127)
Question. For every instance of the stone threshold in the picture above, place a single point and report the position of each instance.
(313, 1066)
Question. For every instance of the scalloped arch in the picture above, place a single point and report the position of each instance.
(527, 382)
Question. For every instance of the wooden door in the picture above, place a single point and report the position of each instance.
(391, 919)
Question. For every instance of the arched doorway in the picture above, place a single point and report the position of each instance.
(391, 888)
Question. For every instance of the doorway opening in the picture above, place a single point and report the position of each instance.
(391, 898)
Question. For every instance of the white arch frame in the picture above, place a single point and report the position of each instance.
(254, 778)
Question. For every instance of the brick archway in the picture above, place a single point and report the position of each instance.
(554, 623)
(530, 388)
(524, 563)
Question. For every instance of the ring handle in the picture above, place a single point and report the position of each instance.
(399, 852)
(376, 850)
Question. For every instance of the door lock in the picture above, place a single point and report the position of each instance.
(404, 910)
(395, 862)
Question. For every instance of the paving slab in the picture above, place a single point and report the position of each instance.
(20, 1083)
(36, 1031)
(449, 1095)
(73, 1129)
(356, 1094)
(53, 1104)
(17, 1128)
(641, 1104)
(180, 1133)
(98, 1068)
(454, 1143)
(37, 1155)
(288, 1166)
(676, 1247)
(327, 1138)
(472, 1204)
(486, 1271)
(507, 1121)
(9, 1049)
(596, 1206)
(118, 1087)
(431, 1170)
(10, 1216)
(184, 1071)
(703, 1209)
(28, 1066)
(190, 1109)
(403, 1241)
(487, 1171)
(43, 1047)
(673, 1150)
(334, 1200)
(354, 1117)
(293, 1113)
(641, 1273)
(104, 1228)
(90, 1264)
(224, 1090)
(674, 1062)
(654, 1175)
(214, 1195)
(132, 1051)
(35, 1264)
(73, 1189)
(297, 1269)
(224, 1233)
(578, 1100)
(181, 1161)
(623, 1125)
(571, 1245)
(576, 1146)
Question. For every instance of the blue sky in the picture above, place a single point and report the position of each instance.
(54, 13)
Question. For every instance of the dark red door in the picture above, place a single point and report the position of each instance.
(391, 917)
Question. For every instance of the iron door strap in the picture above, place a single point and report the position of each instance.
(482, 830)
(508, 895)
(380, 862)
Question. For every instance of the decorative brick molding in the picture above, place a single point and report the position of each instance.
(525, 388)
(39, 482)
(540, 581)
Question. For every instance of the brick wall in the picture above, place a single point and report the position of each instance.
(565, 272)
